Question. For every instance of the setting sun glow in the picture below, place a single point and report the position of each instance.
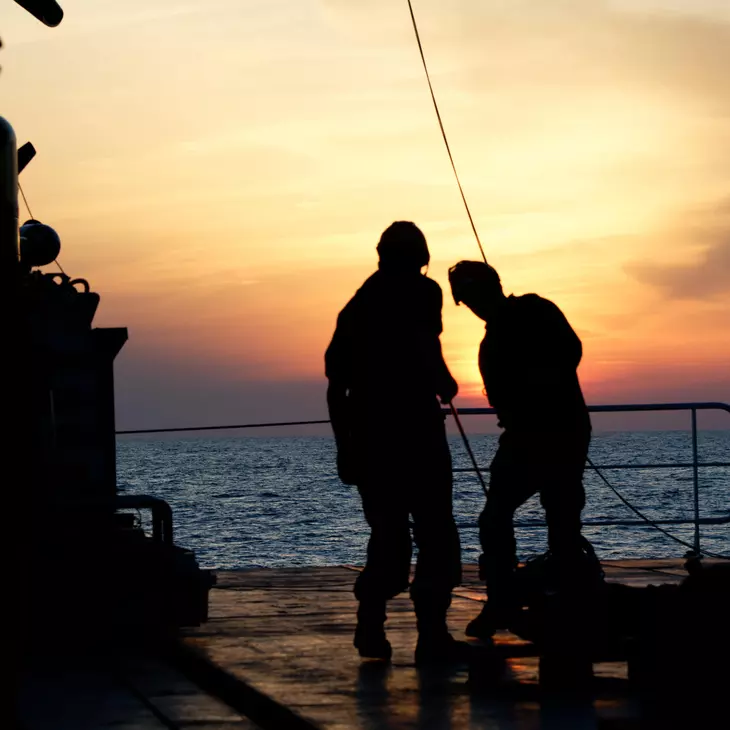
(221, 171)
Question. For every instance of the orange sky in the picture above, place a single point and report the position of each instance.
(220, 171)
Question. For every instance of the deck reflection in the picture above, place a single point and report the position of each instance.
(288, 634)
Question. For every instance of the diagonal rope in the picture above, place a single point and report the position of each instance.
(648, 520)
(481, 250)
(25, 200)
(443, 131)
(469, 451)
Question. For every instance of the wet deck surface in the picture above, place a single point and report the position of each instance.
(287, 633)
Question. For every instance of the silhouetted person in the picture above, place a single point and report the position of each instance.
(386, 369)
(528, 361)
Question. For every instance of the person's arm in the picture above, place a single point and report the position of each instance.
(446, 385)
(337, 370)
(337, 406)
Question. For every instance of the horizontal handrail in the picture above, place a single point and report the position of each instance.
(276, 424)
(604, 467)
(605, 522)
(624, 408)
(620, 408)
(695, 464)
(600, 522)
(165, 532)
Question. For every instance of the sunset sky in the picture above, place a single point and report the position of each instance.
(220, 171)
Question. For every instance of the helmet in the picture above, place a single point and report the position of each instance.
(403, 243)
(466, 275)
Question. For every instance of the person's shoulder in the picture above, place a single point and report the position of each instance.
(430, 287)
(372, 281)
(533, 303)
(428, 282)
(528, 300)
(536, 308)
(368, 288)
(432, 293)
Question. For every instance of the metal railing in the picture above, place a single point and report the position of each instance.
(160, 509)
(695, 465)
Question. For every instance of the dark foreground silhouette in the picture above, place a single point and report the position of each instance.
(386, 350)
(528, 360)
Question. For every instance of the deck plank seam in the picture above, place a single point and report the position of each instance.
(237, 693)
(146, 701)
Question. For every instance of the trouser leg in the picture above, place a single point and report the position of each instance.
(563, 510)
(387, 569)
(498, 560)
(438, 567)
(563, 497)
(510, 486)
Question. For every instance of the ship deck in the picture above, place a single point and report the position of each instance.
(284, 638)
(277, 653)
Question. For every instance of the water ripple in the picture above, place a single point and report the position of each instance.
(248, 502)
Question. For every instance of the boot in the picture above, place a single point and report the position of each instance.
(502, 604)
(492, 618)
(370, 639)
(435, 643)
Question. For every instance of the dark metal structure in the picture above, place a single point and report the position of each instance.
(79, 559)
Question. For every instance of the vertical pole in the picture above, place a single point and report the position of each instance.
(8, 203)
(16, 542)
(696, 479)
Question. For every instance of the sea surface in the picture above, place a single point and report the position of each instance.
(247, 502)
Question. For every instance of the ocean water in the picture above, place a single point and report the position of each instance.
(247, 502)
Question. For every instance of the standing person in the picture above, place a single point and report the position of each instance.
(386, 373)
(528, 360)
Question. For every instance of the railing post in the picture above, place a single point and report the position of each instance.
(696, 479)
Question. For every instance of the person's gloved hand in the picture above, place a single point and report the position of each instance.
(449, 391)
